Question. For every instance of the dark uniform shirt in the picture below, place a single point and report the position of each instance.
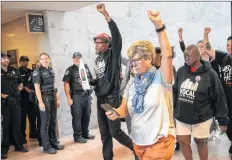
(10, 81)
(26, 75)
(72, 77)
(45, 77)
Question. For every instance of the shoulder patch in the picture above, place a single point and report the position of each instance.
(67, 72)
(35, 73)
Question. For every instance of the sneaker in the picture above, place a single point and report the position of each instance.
(80, 140)
(50, 151)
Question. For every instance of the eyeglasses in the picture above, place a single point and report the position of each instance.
(136, 60)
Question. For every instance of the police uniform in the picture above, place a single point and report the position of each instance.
(81, 107)
(28, 108)
(11, 109)
(46, 78)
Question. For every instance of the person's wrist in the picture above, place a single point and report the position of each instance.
(160, 29)
(158, 24)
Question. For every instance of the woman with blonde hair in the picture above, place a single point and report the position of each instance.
(148, 97)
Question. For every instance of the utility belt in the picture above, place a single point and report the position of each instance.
(50, 92)
(82, 93)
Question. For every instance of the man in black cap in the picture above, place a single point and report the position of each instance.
(78, 99)
(11, 86)
(28, 108)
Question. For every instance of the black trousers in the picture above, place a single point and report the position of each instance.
(109, 129)
(28, 109)
(48, 121)
(229, 130)
(11, 120)
(229, 126)
(38, 122)
(80, 111)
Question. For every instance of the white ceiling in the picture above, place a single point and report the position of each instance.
(15, 10)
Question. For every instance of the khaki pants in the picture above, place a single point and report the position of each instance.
(163, 149)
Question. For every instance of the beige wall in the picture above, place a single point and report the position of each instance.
(15, 36)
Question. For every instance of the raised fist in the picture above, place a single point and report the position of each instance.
(154, 16)
(101, 8)
(180, 31)
(207, 30)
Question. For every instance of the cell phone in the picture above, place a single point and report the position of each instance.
(108, 107)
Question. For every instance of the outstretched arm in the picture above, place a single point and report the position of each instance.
(181, 40)
(166, 61)
(116, 36)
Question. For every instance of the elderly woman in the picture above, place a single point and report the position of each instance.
(198, 97)
(147, 98)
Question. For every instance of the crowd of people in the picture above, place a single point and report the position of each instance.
(162, 107)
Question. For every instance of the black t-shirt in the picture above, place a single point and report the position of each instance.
(225, 69)
(108, 65)
(10, 81)
(225, 62)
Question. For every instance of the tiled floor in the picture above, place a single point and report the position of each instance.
(218, 150)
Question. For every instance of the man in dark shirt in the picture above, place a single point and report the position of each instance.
(28, 108)
(78, 99)
(107, 84)
(225, 62)
(11, 85)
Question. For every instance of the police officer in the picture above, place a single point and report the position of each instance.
(44, 79)
(79, 100)
(28, 108)
(11, 85)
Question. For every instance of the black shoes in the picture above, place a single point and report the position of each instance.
(58, 147)
(89, 136)
(80, 140)
(4, 156)
(23, 150)
(50, 151)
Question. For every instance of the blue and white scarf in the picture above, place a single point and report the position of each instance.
(141, 86)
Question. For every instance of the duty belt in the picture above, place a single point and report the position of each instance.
(82, 93)
(50, 92)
